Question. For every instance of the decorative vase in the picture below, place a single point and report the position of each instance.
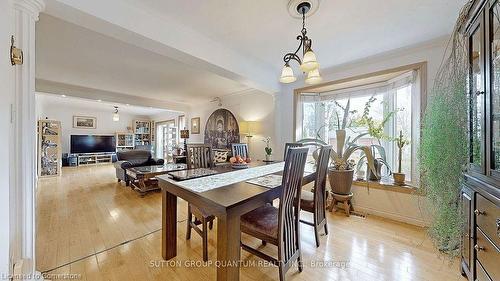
(378, 167)
(268, 157)
(399, 178)
(341, 181)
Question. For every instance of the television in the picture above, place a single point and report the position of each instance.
(92, 144)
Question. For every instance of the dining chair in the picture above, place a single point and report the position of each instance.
(315, 202)
(280, 226)
(290, 145)
(199, 156)
(240, 149)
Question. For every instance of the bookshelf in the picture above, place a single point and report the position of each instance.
(142, 132)
(49, 148)
(125, 141)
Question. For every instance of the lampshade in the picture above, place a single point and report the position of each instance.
(309, 62)
(313, 77)
(184, 134)
(287, 75)
(243, 127)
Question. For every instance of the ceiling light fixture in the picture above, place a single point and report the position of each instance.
(308, 64)
(116, 116)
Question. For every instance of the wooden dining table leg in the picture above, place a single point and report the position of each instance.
(228, 248)
(169, 225)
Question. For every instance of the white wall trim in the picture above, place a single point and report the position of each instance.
(392, 216)
(24, 154)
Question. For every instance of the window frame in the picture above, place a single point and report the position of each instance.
(419, 103)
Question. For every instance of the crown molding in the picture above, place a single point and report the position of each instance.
(32, 7)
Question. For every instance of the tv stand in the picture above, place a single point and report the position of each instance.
(86, 159)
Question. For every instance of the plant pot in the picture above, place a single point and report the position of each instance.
(341, 181)
(268, 157)
(370, 175)
(399, 178)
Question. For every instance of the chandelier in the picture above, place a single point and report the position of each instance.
(308, 64)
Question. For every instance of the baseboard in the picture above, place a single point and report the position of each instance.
(23, 271)
(392, 216)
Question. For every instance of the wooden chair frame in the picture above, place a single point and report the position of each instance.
(319, 202)
(202, 157)
(288, 239)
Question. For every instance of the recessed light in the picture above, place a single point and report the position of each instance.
(99, 100)
(63, 96)
(127, 104)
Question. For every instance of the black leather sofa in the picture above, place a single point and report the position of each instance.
(133, 158)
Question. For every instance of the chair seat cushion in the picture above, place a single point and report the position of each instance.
(307, 201)
(263, 220)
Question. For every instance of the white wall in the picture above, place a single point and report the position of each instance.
(105, 123)
(399, 206)
(248, 106)
(6, 95)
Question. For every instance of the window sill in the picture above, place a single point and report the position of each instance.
(388, 185)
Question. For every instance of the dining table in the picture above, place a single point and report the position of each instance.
(227, 195)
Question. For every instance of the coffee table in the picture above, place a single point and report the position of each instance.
(144, 177)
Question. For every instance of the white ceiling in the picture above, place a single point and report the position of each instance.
(175, 48)
(342, 30)
(68, 101)
(70, 54)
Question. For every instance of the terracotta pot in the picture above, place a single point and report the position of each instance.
(399, 179)
(370, 175)
(341, 181)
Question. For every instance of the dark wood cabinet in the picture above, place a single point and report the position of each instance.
(481, 191)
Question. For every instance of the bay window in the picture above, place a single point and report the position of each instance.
(393, 101)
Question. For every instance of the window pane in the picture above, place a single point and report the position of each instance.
(403, 123)
(309, 127)
(495, 89)
(476, 99)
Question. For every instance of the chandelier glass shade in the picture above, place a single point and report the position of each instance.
(287, 75)
(116, 116)
(313, 77)
(309, 63)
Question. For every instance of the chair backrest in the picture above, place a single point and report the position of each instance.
(240, 149)
(199, 156)
(320, 182)
(289, 145)
(288, 217)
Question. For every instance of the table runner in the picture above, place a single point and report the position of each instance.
(215, 181)
(219, 180)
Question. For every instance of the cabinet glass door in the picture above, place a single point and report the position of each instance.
(476, 98)
(495, 86)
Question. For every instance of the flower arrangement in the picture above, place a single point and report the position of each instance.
(268, 149)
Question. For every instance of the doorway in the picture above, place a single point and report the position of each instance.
(167, 140)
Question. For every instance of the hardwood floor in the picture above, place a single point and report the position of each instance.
(92, 226)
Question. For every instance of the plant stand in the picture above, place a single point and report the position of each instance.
(341, 198)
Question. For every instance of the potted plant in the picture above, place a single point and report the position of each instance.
(268, 149)
(341, 170)
(401, 141)
(375, 130)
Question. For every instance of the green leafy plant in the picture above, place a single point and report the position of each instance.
(340, 157)
(443, 149)
(375, 130)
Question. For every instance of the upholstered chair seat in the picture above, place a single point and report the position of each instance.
(263, 220)
(307, 201)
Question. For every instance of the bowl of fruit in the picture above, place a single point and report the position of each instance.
(238, 162)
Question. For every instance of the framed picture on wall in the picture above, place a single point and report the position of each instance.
(84, 122)
(195, 125)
